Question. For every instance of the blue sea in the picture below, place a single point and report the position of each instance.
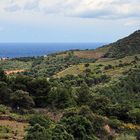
(13, 50)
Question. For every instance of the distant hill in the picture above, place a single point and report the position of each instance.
(124, 47)
(87, 54)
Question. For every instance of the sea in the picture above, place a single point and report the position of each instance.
(15, 50)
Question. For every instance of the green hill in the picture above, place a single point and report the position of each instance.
(124, 47)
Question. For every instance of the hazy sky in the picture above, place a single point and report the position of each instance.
(67, 20)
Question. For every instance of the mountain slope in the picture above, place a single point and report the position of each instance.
(124, 47)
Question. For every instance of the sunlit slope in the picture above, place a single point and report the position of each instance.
(112, 67)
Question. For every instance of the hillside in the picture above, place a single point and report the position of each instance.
(127, 46)
(73, 95)
(96, 54)
(112, 67)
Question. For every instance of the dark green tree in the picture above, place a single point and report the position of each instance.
(79, 127)
(60, 133)
(39, 89)
(5, 94)
(2, 75)
(38, 132)
(61, 97)
(84, 95)
(21, 100)
(41, 120)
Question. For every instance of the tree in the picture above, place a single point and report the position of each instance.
(21, 100)
(2, 75)
(41, 120)
(134, 115)
(100, 104)
(38, 132)
(87, 65)
(108, 67)
(20, 82)
(84, 95)
(79, 127)
(5, 94)
(60, 133)
(39, 89)
(61, 97)
(136, 58)
(138, 135)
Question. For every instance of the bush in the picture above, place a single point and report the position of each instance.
(61, 98)
(41, 120)
(108, 67)
(2, 75)
(84, 95)
(5, 129)
(4, 110)
(115, 124)
(60, 133)
(138, 135)
(37, 132)
(78, 126)
(87, 65)
(134, 115)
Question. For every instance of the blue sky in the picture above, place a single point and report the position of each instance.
(68, 20)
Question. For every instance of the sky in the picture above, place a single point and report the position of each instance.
(68, 20)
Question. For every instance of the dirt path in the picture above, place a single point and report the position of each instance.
(8, 72)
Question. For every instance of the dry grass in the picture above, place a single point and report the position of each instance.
(17, 129)
(73, 70)
(8, 72)
(88, 54)
(98, 53)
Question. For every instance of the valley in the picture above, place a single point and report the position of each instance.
(73, 95)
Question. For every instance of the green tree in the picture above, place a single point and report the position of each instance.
(2, 75)
(41, 120)
(87, 65)
(79, 127)
(60, 133)
(84, 95)
(39, 89)
(61, 97)
(38, 132)
(100, 104)
(5, 93)
(21, 100)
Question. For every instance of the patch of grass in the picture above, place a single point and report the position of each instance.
(5, 129)
(98, 53)
(5, 132)
(12, 129)
(126, 137)
(73, 70)
(14, 65)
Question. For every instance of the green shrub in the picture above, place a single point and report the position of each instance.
(41, 120)
(115, 124)
(38, 132)
(5, 129)
(4, 110)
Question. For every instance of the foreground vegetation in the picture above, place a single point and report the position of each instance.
(104, 104)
